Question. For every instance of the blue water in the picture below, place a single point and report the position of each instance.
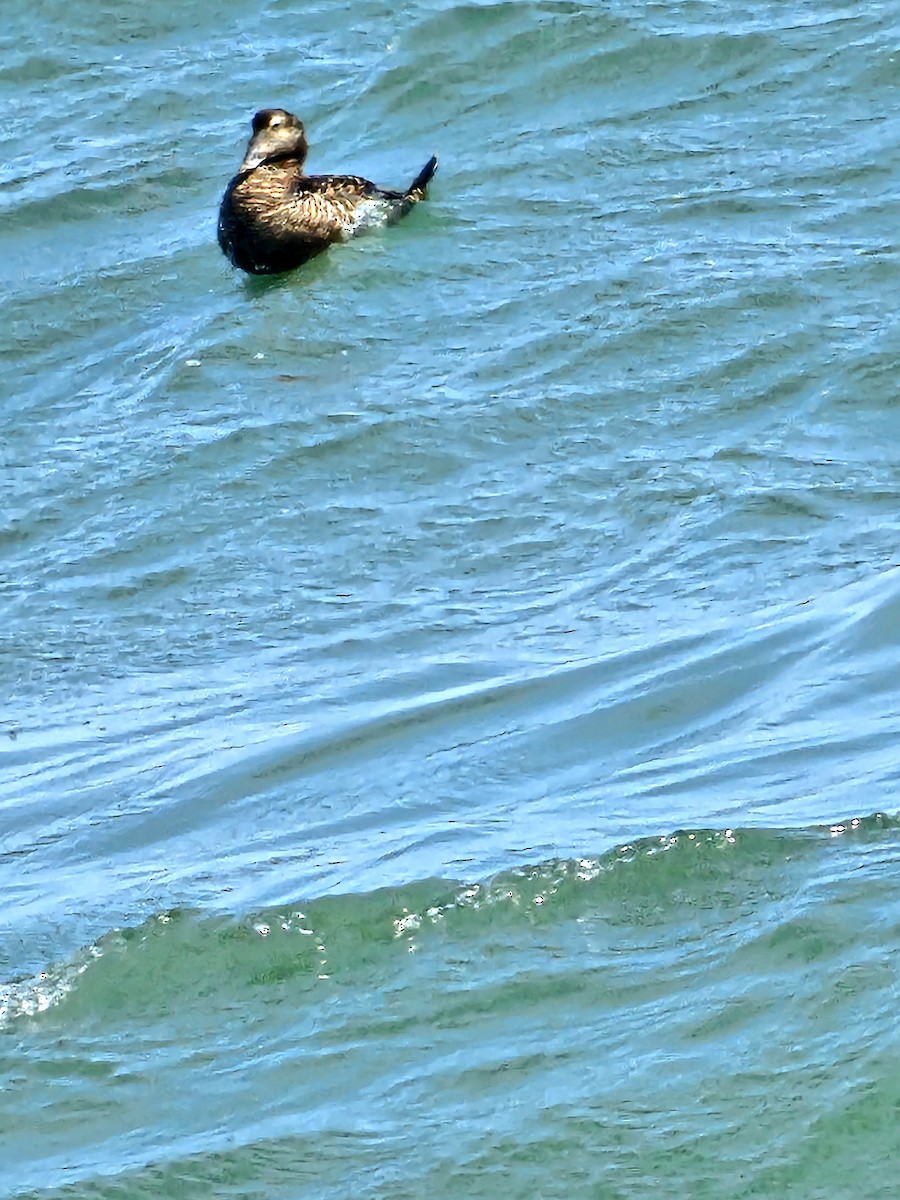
(448, 704)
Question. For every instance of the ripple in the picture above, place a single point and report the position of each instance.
(561, 515)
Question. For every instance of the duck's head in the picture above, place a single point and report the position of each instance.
(275, 131)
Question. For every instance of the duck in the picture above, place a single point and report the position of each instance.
(274, 217)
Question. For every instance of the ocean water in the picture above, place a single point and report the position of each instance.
(449, 704)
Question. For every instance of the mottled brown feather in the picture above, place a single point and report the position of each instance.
(273, 217)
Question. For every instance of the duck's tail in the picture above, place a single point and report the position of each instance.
(404, 201)
(416, 190)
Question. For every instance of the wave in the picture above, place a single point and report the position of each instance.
(186, 958)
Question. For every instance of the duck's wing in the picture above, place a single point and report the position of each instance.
(328, 206)
(335, 207)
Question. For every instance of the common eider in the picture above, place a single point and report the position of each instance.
(273, 217)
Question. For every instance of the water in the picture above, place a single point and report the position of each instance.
(449, 705)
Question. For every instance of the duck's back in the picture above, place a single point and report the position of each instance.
(273, 218)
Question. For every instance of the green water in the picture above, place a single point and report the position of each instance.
(703, 1013)
(448, 703)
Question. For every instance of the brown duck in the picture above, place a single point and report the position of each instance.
(273, 217)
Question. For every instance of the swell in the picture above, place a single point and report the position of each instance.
(272, 756)
(187, 958)
(680, 983)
